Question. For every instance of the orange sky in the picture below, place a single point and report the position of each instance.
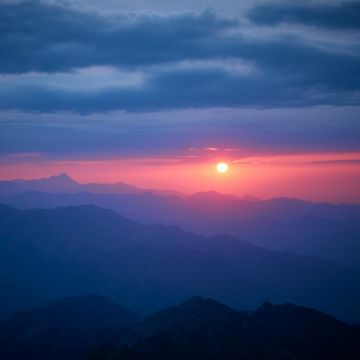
(319, 177)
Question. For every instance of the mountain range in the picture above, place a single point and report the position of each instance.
(48, 254)
(60, 239)
(64, 183)
(206, 329)
(64, 329)
(306, 228)
(95, 328)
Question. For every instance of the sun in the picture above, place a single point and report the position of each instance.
(222, 167)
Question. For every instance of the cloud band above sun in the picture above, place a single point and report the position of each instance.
(214, 60)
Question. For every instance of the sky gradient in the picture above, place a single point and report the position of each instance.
(155, 93)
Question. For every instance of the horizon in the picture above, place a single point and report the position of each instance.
(170, 191)
(155, 150)
(156, 95)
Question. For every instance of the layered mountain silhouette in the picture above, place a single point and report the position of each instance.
(175, 205)
(48, 254)
(65, 329)
(206, 329)
(305, 228)
(64, 183)
(94, 327)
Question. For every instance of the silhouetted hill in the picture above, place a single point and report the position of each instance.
(206, 329)
(47, 254)
(309, 333)
(94, 327)
(63, 183)
(302, 227)
(172, 205)
(193, 314)
(335, 239)
(65, 329)
(56, 183)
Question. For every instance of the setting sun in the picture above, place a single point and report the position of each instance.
(222, 167)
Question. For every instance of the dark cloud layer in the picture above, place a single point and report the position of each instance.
(171, 133)
(283, 70)
(85, 85)
(186, 88)
(345, 15)
(40, 37)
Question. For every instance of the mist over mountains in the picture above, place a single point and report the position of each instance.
(47, 254)
(61, 241)
(64, 183)
(302, 227)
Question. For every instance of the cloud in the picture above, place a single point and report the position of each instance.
(343, 15)
(247, 131)
(186, 60)
(275, 84)
(37, 36)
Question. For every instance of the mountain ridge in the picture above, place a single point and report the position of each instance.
(202, 328)
(63, 329)
(72, 250)
(198, 328)
(283, 225)
(65, 183)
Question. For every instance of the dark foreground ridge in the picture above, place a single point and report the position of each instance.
(206, 329)
(95, 328)
(65, 329)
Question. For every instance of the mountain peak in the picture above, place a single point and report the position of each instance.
(194, 299)
(212, 195)
(199, 301)
(196, 310)
(193, 316)
(61, 177)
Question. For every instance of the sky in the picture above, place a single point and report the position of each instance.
(155, 93)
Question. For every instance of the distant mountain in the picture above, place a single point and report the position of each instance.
(175, 204)
(57, 183)
(63, 183)
(200, 329)
(47, 254)
(326, 230)
(64, 329)
(335, 239)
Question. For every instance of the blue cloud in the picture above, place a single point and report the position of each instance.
(274, 84)
(171, 133)
(36, 36)
(285, 70)
(343, 15)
